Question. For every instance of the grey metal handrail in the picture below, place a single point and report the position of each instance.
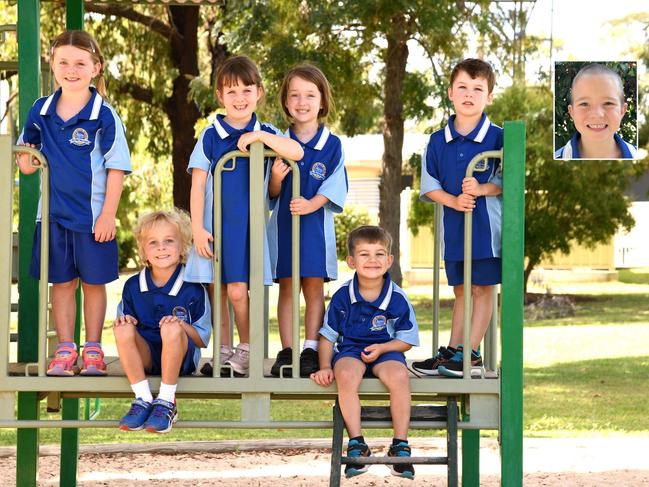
(221, 167)
(39, 160)
(477, 164)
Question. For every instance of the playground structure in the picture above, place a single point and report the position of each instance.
(491, 401)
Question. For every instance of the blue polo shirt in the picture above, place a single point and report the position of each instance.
(148, 303)
(444, 164)
(571, 149)
(322, 171)
(80, 151)
(215, 141)
(351, 321)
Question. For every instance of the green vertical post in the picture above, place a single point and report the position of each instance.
(513, 243)
(29, 65)
(70, 406)
(74, 14)
(470, 457)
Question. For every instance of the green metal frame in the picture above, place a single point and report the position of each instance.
(513, 252)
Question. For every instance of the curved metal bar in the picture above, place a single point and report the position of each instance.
(39, 160)
(475, 165)
(219, 168)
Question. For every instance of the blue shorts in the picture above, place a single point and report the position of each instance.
(355, 352)
(154, 340)
(484, 272)
(75, 254)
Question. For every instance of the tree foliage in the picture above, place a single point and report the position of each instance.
(364, 48)
(565, 201)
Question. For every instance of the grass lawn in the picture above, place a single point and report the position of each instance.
(587, 374)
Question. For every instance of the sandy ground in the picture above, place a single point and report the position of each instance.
(548, 462)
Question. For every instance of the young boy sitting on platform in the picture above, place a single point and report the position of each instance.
(367, 327)
(162, 321)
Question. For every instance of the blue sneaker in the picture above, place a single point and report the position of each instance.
(162, 417)
(356, 448)
(405, 470)
(136, 416)
(454, 366)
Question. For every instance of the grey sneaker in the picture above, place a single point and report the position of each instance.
(240, 359)
(225, 354)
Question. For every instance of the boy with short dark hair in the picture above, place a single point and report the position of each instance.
(444, 164)
(368, 326)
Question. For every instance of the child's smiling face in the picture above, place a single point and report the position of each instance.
(597, 108)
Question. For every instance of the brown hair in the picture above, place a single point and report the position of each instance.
(369, 234)
(235, 69)
(476, 68)
(598, 69)
(313, 74)
(84, 41)
(177, 218)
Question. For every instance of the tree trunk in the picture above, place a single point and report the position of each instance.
(531, 264)
(182, 112)
(396, 57)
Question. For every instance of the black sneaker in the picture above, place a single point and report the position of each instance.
(356, 448)
(429, 366)
(454, 366)
(309, 362)
(405, 470)
(284, 357)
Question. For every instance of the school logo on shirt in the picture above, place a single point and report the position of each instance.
(378, 323)
(79, 137)
(318, 171)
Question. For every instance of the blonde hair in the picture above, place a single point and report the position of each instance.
(84, 41)
(177, 218)
(313, 74)
(601, 70)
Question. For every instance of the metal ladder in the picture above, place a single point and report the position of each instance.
(418, 415)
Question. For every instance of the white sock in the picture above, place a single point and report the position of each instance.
(312, 344)
(142, 390)
(167, 392)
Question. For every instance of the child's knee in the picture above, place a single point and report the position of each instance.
(480, 291)
(237, 292)
(172, 332)
(347, 376)
(458, 290)
(69, 286)
(124, 333)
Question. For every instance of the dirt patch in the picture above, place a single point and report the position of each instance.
(310, 467)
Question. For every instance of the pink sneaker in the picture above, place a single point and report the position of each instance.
(64, 363)
(93, 361)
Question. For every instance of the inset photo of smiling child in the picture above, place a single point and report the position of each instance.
(595, 110)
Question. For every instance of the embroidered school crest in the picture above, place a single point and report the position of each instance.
(79, 137)
(378, 323)
(318, 171)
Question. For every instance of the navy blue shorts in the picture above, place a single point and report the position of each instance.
(484, 272)
(75, 254)
(154, 340)
(355, 352)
